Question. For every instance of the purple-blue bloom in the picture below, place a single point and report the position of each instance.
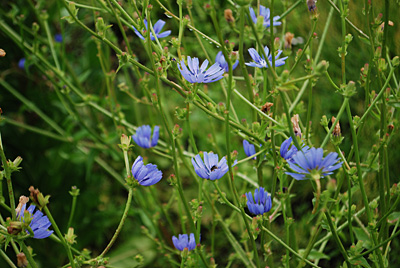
(260, 62)
(184, 242)
(21, 63)
(196, 74)
(265, 13)
(210, 168)
(146, 175)
(143, 136)
(157, 30)
(312, 163)
(287, 153)
(39, 223)
(249, 149)
(220, 59)
(58, 38)
(261, 203)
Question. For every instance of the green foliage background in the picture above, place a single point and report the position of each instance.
(54, 166)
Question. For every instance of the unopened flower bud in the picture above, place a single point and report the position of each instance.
(221, 107)
(255, 127)
(395, 61)
(234, 155)
(176, 131)
(243, 200)
(378, 52)
(70, 236)
(331, 185)
(172, 180)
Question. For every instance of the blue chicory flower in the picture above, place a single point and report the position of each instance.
(265, 13)
(39, 223)
(261, 203)
(157, 30)
(21, 63)
(146, 175)
(143, 136)
(184, 242)
(287, 153)
(259, 61)
(311, 163)
(220, 59)
(199, 75)
(210, 169)
(249, 149)
(58, 38)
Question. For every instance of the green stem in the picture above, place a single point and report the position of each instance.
(7, 173)
(28, 254)
(361, 182)
(71, 215)
(7, 259)
(120, 225)
(328, 217)
(60, 236)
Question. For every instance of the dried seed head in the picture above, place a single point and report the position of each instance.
(266, 108)
(296, 127)
(288, 40)
(336, 131)
(229, 16)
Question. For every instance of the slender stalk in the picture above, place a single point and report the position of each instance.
(361, 182)
(7, 259)
(71, 215)
(7, 173)
(60, 236)
(328, 217)
(120, 225)
(28, 254)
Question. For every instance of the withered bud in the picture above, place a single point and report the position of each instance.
(266, 108)
(296, 127)
(336, 131)
(38, 198)
(14, 228)
(21, 260)
(390, 128)
(229, 16)
(2, 53)
(288, 40)
(22, 201)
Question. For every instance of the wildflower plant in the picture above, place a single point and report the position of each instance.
(260, 62)
(143, 136)
(83, 113)
(199, 74)
(312, 164)
(265, 13)
(157, 30)
(184, 241)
